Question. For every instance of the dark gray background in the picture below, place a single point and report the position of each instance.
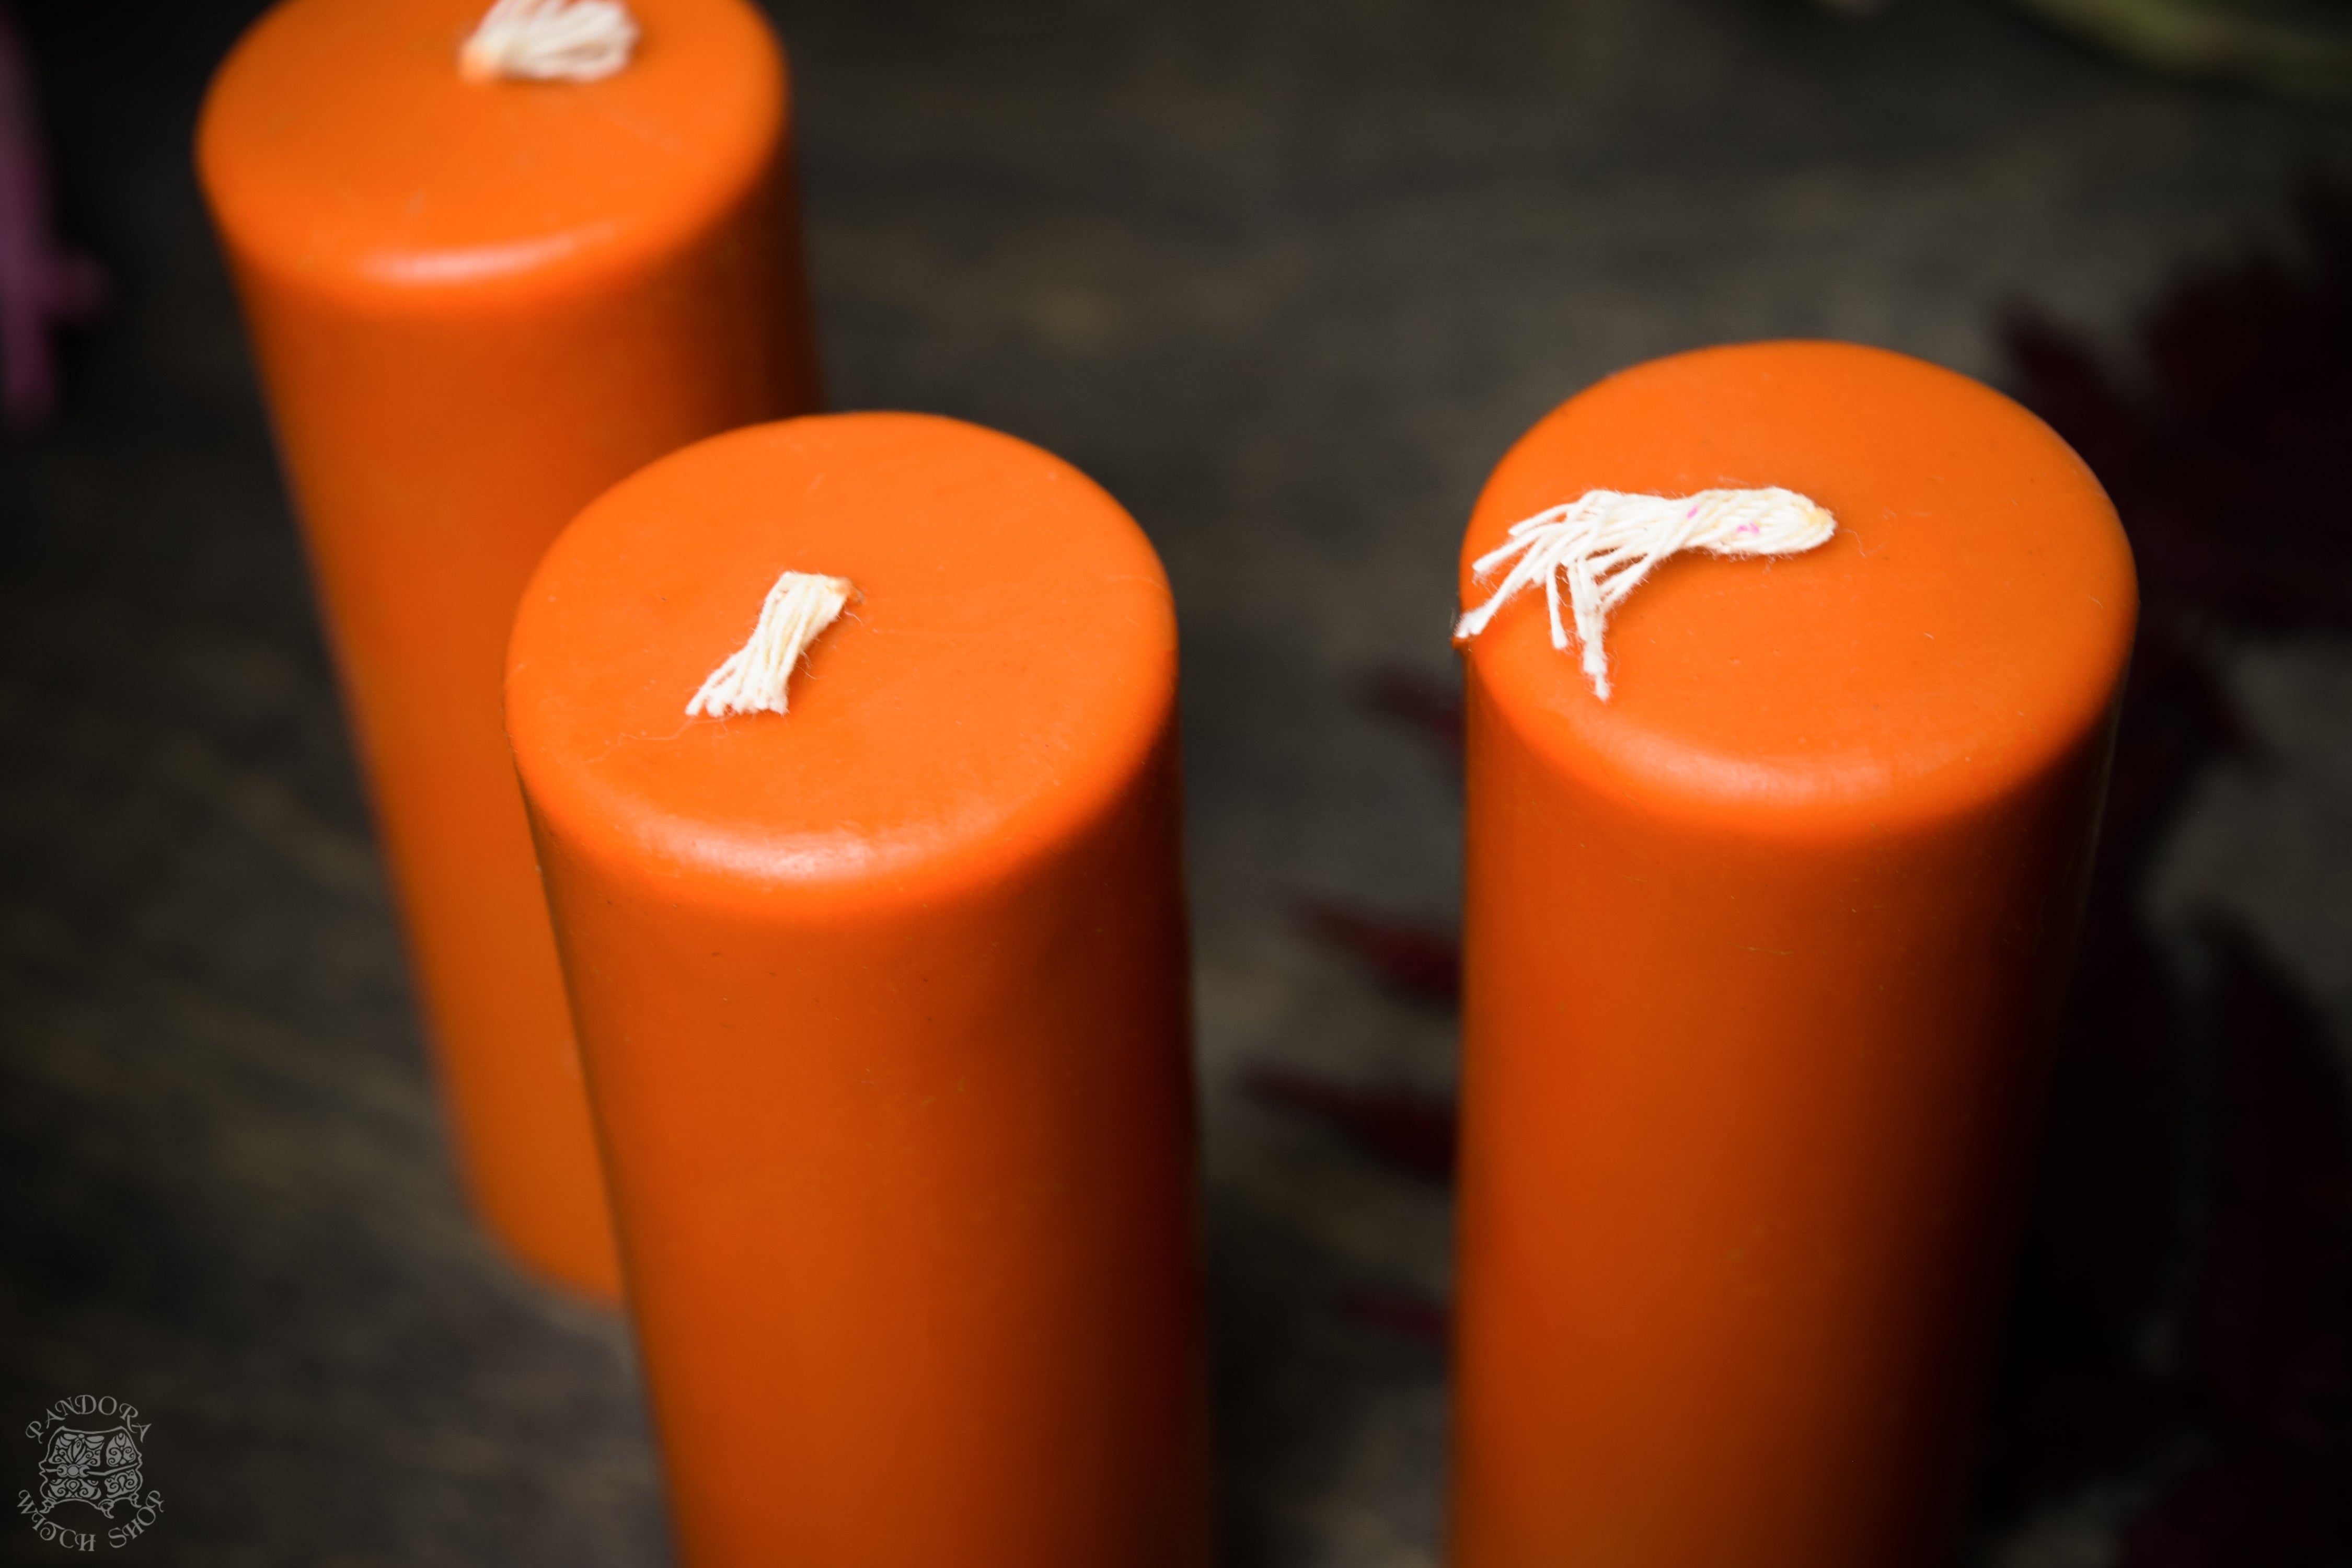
(1288, 277)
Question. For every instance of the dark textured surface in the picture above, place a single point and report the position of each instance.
(1288, 277)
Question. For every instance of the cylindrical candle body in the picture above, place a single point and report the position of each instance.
(883, 999)
(1762, 959)
(475, 306)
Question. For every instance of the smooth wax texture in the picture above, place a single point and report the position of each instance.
(883, 1000)
(1762, 960)
(475, 307)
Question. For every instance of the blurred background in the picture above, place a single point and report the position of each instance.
(1288, 277)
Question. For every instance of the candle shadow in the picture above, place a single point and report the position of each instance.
(2181, 1334)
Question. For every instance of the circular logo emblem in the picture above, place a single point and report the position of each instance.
(92, 1475)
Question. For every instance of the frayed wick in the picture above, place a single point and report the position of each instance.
(1604, 543)
(549, 40)
(755, 676)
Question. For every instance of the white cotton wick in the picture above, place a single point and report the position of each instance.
(549, 40)
(1604, 543)
(753, 678)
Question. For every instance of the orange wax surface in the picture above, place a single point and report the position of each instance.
(475, 307)
(883, 1000)
(1762, 960)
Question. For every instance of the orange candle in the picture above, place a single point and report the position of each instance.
(882, 998)
(1763, 955)
(475, 304)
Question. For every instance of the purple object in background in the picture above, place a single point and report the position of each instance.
(41, 285)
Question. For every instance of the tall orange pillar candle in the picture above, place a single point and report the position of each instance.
(476, 305)
(1763, 955)
(882, 998)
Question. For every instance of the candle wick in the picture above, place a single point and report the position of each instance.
(549, 40)
(1604, 543)
(753, 677)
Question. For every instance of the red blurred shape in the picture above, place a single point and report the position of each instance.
(2198, 1168)
(1400, 1127)
(1422, 962)
(2227, 468)
(1414, 1317)
(42, 284)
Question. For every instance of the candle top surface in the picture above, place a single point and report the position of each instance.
(1007, 665)
(339, 143)
(1966, 623)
